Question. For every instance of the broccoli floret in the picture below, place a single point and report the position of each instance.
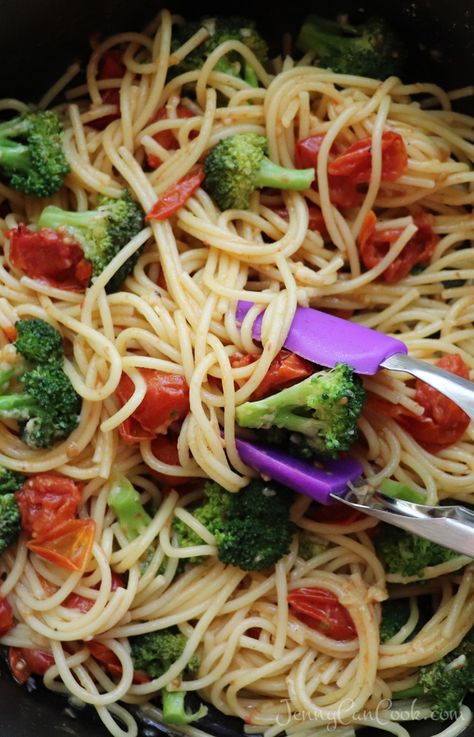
(10, 521)
(10, 481)
(38, 341)
(407, 554)
(309, 546)
(126, 503)
(395, 613)
(46, 404)
(446, 682)
(220, 30)
(319, 413)
(371, 49)
(101, 233)
(238, 165)
(31, 153)
(252, 527)
(155, 653)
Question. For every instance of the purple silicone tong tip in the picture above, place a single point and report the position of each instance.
(327, 340)
(309, 478)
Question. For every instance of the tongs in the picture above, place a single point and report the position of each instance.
(328, 340)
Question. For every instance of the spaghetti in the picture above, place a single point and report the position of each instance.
(176, 314)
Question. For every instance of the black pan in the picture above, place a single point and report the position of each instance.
(39, 39)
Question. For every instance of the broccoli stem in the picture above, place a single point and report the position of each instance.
(396, 489)
(279, 408)
(14, 127)
(126, 503)
(54, 217)
(17, 406)
(279, 177)
(14, 155)
(174, 710)
(249, 75)
(413, 692)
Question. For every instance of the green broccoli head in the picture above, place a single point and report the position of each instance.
(371, 49)
(407, 554)
(395, 613)
(220, 30)
(237, 165)
(155, 652)
(10, 481)
(38, 341)
(31, 153)
(252, 527)
(310, 546)
(318, 414)
(447, 681)
(10, 521)
(101, 233)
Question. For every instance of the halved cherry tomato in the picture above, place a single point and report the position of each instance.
(166, 138)
(165, 448)
(68, 545)
(342, 190)
(334, 514)
(177, 195)
(25, 662)
(132, 432)
(46, 501)
(82, 603)
(315, 218)
(50, 256)
(106, 657)
(443, 423)
(285, 369)
(9, 332)
(6, 616)
(355, 162)
(166, 400)
(111, 65)
(321, 610)
(375, 244)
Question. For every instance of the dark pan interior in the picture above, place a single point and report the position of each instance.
(39, 39)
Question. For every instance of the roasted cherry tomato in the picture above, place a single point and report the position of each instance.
(342, 190)
(6, 616)
(355, 162)
(375, 244)
(46, 501)
(50, 256)
(443, 423)
(321, 610)
(25, 662)
(166, 400)
(106, 657)
(111, 65)
(286, 369)
(177, 195)
(165, 448)
(315, 218)
(334, 514)
(82, 603)
(68, 545)
(166, 138)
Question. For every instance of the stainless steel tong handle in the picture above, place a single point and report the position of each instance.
(461, 391)
(451, 526)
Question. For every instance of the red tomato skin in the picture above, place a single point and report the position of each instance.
(286, 369)
(50, 256)
(355, 162)
(6, 616)
(321, 610)
(342, 190)
(111, 65)
(133, 433)
(177, 195)
(166, 399)
(47, 500)
(334, 514)
(374, 245)
(106, 657)
(166, 138)
(25, 662)
(165, 448)
(68, 545)
(82, 603)
(315, 218)
(443, 423)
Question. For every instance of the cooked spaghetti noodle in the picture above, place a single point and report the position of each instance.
(176, 313)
